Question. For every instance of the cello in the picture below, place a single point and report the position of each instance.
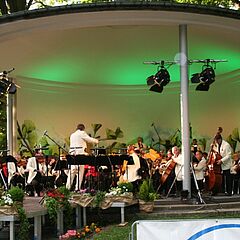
(214, 168)
(168, 170)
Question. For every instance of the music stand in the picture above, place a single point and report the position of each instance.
(61, 165)
(58, 145)
(80, 159)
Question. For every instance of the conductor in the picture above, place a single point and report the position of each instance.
(78, 145)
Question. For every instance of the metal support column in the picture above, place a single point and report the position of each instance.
(184, 106)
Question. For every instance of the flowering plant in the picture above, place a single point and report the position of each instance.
(12, 198)
(84, 233)
(6, 199)
(55, 200)
(87, 191)
(123, 188)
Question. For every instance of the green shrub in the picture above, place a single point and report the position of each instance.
(17, 194)
(146, 191)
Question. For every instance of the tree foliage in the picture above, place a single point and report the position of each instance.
(11, 6)
(224, 3)
(3, 122)
(27, 138)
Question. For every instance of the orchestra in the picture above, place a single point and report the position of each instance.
(216, 172)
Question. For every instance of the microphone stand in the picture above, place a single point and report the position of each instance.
(59, 147)
(59, 152)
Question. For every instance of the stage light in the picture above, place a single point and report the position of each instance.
(6, 85)
(162, 77)
(159, 80)
(205, 78)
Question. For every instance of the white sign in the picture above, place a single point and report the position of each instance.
(189, 230)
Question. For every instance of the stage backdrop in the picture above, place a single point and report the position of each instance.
(59, 107)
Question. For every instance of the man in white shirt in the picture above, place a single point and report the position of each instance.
(224, 149)
(15, 173)
(177, 158)
(78, 146)
(199, 169)
(36, 169)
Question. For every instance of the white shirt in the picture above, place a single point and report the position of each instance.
(226, 153)
(131, 174)
(78, 142)
(178, 167)
(199, 169)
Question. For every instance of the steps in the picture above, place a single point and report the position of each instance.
(217, 206)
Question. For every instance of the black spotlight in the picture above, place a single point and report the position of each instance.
(6, 86)
(159, 80)
(205, 78)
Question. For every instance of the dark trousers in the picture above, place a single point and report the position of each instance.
(169, 184)
(36, 185)
(179, 187)
(236, 183)
(194, 186)
(18, 180)
(227, 182)
(48, 181)
(61, 180)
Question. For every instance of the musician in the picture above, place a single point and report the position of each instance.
(16, 175)
(140, 147)
(78, 145)
(235, 171)
(131, 173)
(199, 169)
(60, 171)
(165, 187)
(224, 149)
(177, 158)
(156, 171)
(48, 178)
(36, 169)
(195, 146)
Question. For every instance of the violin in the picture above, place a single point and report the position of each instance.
(40, 159)
(133, 149)
(22, 163)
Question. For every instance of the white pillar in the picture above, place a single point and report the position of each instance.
(184, 106)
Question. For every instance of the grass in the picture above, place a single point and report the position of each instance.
(115, 232)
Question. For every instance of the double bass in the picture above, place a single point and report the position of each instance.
(214, 168)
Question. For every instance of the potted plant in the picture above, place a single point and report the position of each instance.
(17, 195)
(146, 196)
(14, 197)
(57, 199)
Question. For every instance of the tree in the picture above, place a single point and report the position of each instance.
(11, 6)
(225, 3)
(14, 6)
(3, 122)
